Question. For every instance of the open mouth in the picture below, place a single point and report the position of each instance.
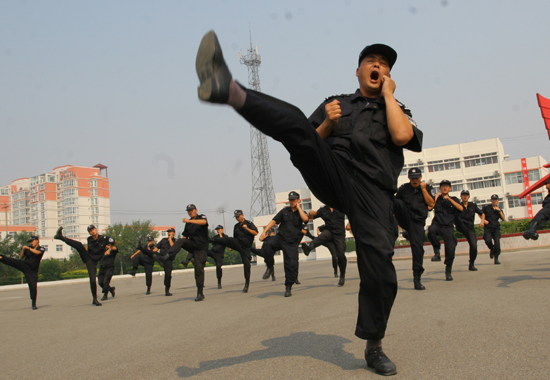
(374, 75)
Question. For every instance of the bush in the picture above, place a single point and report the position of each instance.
(78, 273)
(50, 270)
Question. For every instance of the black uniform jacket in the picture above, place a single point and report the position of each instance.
(96, 247)
(244, 237)
(108, 261)
(414, 200)
(197, 233)
(335, 221)
(33, 260)
(219, 249)
(468, 215)
(492, 216)
(361, 137)
(290, 225)
(445, 212)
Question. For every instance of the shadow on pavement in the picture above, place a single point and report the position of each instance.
(328, 348)
(505, 281)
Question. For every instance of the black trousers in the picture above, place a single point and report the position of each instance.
(449, 238)
(104, 277)
(218, 259)
(333, 178)
(336, 244)
(415, 229)
(91, 264)
(269, 260)
(167, 265)
(235, 245)
(542, 216)
(138, 260)
(470, 236)
(290, 256)
(30, 275)
(199, 255)
(492, 239)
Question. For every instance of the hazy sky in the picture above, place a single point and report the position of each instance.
(87, 82)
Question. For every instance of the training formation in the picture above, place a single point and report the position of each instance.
(350, 154)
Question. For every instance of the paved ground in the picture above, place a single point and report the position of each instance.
(490, 324)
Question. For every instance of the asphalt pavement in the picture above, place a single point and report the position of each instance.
(489, 324)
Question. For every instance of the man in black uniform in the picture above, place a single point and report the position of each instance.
(194, 240)
(90, 254)
(161, 254)
(335, 233)
(147, 262)
(332, 250)
(243, 237)
(491, 233)
(411, 205)
(446, 208)
(217, 252)
(106, 270)
(465, 225)
(542, 217)
(29, 265)
(290, 220)
(269, 260)
(350, 153)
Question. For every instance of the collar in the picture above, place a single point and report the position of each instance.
(359, 96)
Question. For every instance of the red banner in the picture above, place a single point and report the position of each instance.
(526, 186)
(544, 105)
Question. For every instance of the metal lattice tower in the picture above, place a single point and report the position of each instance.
(263, 195)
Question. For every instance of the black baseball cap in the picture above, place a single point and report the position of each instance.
(238, 213)
(494, 196)
(190, 207)
(91, 227)
(150, 238)
(445, 182)
(464, 192)
(385, 50)
(32, 238)
(219, 227)
(170, 230)
(293, 195)
(415, 173)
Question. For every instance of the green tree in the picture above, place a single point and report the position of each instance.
(10, 246)
(50, 269)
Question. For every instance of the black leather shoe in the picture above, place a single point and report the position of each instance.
(200, 296)
(212, 70)
(268, 273)
(491, 254)
(496, 261)
(104, 298)
(273, 277)
(59, 234)
(288, 291)
(472, 267)
(436, 257)
(132, 272)
(377, 359)
(336, 274)
(306, 248)
(219, 284)
(112, 290)
(416, 280)
(34, 306)
(245, 289)
(342, 281)
(448, 277)
(96, 302)
(148, 291)
(297, 282)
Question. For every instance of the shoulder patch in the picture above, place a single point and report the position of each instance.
(402, 105)
(336, 96)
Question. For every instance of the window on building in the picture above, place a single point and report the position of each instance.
(306, 205)
(42, 197)
(95, 210)
(536, 199)
(457, 185)
(482, 183)
(94, 219)
(42, 187)
(513, 178)
(93, 183)
(93, 192)
(534, 175)
(45, 248)
(59, 248)
(163, 234)
(93, 201)
(478, 160)
(516, 202)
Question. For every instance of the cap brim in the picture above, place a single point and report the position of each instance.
(414, 176)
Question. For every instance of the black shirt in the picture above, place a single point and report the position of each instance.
(335, 221)
(164, 245)
(147, 259)
(33, 260)
(290, 225)
(218, 248)
(467, 216)
(362, 138)
(546, 201)
(492, 216)
(413, 197)
(108, 261)
(244, 237)
(198, 234)
(96, 247)
(445, 212)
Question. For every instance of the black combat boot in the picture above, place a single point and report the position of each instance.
(167, 291)
(342, 280)
(148, 290)
(380, 362)
(245, 289)
(288, 291)
(448, 270)
(273, 275)
(297, 282)
(417, 284)
(531, 232)
(112, 290)
(34, 305)
(59, 234)
(268, 272)
(436, 256)
(219, 284)
(96, 302)
(200, 296)
(491, 254)
(336, 273)
(306, 248)
(105, 297)
(133, 272)
(472, 267)
(496, 260)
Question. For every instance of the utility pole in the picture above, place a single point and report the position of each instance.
(263, 195)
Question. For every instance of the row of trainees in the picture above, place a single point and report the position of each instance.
(415, 199)
(292, 222)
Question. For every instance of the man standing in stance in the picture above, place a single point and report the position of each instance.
(350, 153)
